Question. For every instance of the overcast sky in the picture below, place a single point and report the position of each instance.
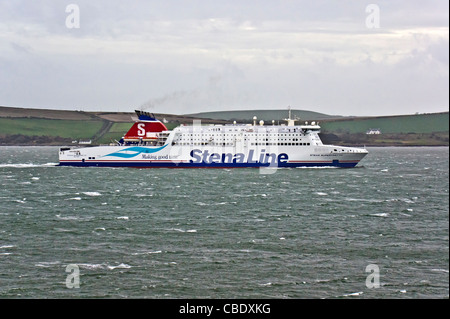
(334, 57)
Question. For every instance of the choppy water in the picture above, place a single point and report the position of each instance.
(169, 233)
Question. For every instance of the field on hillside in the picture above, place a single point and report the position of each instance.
(265, 115)
(116, 132)
(17, 112)
(44, 127)
(47, 127)
(422, 123)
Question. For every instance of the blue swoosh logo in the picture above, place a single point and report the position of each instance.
(136, 150)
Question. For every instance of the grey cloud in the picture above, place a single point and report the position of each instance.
(206, 55)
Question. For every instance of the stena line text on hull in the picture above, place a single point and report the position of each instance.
(199, 156)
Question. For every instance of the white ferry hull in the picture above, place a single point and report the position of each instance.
(149, 144)
(211, 157)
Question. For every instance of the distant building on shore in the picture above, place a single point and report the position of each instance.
(373, 131)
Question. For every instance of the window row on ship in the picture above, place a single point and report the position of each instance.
(244, 135)
(232, 144)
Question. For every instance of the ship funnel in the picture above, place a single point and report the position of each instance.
(145, 128)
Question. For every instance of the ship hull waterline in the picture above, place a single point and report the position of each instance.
(162, 157)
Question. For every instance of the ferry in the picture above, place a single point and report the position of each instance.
(150, 144)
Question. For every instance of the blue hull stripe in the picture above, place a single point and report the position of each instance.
(203, 165)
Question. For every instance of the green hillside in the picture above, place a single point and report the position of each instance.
(420, 123)
(20, 126)
(73, 129)
(116, 132)
(265, 115)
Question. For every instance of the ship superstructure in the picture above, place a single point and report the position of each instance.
(149, 144)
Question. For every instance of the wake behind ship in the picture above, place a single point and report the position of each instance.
(150, 144)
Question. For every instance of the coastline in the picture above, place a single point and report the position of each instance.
(44, 127)
(336, 144)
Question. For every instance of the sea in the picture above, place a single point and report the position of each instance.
(379, 230)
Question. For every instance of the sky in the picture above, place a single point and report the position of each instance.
(178, 56)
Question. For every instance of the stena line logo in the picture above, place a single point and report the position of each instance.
(206, 157)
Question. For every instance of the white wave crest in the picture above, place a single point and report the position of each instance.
(92, 194)
(27, 165)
